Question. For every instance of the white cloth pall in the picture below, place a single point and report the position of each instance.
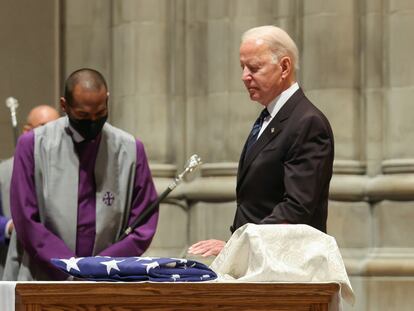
(283, 253)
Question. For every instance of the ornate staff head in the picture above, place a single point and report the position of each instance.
(193, 162)
(12, 104)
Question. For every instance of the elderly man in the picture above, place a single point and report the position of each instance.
(286, 163)
(38, 116)
(77, 183)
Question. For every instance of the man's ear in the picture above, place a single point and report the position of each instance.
(286, 65)
(63, 104)
(26, 128)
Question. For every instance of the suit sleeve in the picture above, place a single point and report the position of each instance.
(307, 172)
(37, 240)
(3, 223)
(143, 195)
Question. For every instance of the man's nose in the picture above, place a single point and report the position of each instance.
(246, 74)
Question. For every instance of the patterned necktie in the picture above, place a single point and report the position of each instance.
(256, 129)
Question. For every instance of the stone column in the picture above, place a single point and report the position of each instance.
(331, 74)
(142, 74)
(399, 125)
(393, 256)
(86, 38)
(29, 61)
(372, 81)
(149, 101)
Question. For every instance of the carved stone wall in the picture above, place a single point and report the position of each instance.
(175, 83)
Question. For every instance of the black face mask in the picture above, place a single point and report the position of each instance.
(87, 128)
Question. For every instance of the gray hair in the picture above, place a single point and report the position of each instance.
(278, 40)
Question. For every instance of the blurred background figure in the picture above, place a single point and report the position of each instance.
(38, 116)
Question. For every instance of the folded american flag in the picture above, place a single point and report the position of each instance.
(129, 269)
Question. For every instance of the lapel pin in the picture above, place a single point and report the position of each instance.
(272, 130)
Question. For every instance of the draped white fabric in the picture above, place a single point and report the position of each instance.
(7, 296)
(283, 253)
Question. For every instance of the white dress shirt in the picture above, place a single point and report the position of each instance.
(277, 104)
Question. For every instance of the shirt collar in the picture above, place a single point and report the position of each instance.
(276, 104)
(76, 137)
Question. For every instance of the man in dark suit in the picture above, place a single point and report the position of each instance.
(286, 163)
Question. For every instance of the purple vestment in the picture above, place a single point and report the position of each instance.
(42, 244)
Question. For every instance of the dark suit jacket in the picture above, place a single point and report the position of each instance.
(285, 176)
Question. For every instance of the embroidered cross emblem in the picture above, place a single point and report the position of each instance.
(108, 198)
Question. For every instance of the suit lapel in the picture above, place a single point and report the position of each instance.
(272, 130)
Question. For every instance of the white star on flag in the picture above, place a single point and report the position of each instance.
(175, 277)
(112, 264)
(151, 265)
(180, 260)
(72, 263)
